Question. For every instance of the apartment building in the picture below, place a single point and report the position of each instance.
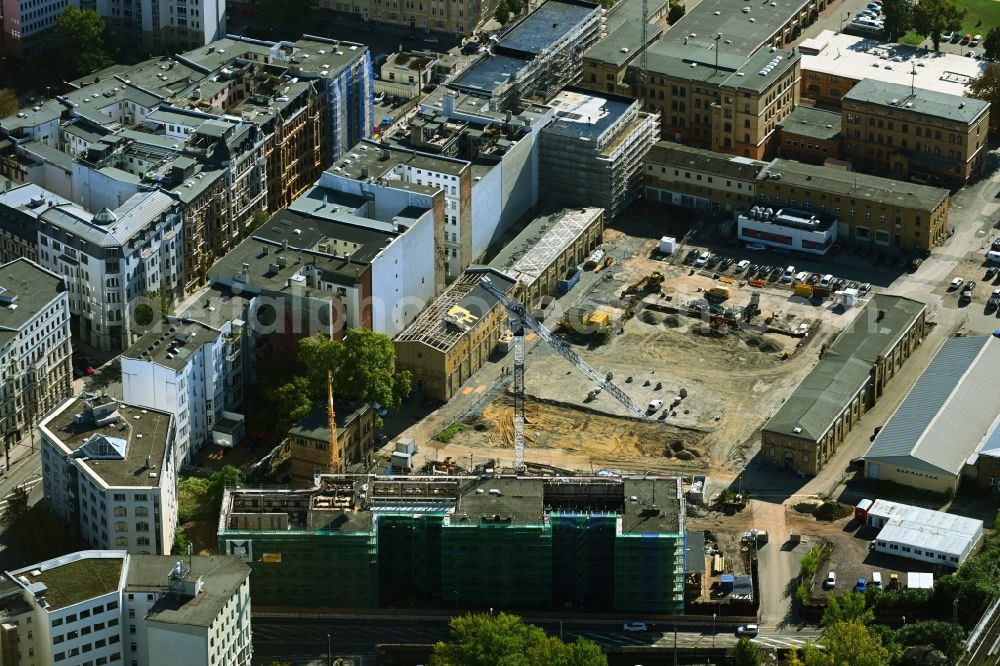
(158, 26)
(27, 23)
(457, 17)
(810, 135)
(310, 440)
(35, 350)
(884, 213)
(592, 151)
(697, 178)
(108, 470)
(110, 607)
(833, 63)
(536, 57)
(907, 132)
(20, 207)
(468, 542)
(196, 367)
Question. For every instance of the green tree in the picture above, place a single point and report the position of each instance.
(849, 608)
(502, 13)
(8, 102)
(747, 653)
(363, 367)
(290, 402)
(991, 46)
(484, 640)
(81, 43)
(847, 643)
(986, 87)
(932, 17)
(227, 477)
(17, 507)
(793, 657)
(676, 12)
(944, 636)
(889, 641)
(898, 17)
(181, 542)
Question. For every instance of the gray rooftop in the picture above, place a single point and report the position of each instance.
(137, 213)
(813, 123)
(690, 63)
(948, 412)
(379, 159)
(859, 186)
(489, 73)
(588, 116)
(552, 21)
(316, 424)
(146, 432)
(29, 288)
(535, 249)
(173, 346)
(905, 100)
(629, 11)
(627, 36)
(742, 33)
(680, 156)
(222, 577)
(845, 367)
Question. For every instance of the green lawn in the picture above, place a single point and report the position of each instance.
(981, 15)
(911, 38)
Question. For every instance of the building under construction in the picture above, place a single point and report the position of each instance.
(592, 151)
(362, 541)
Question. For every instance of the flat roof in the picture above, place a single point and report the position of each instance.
(489, 73)
(668, 153)
(115, 453)
(380, 159)
(173, 347)
(316, 424)
(949, 412)
(535, 249)
(825, 392)
(221, 576)
(753, 72)
(935, 530)
(587, 116)
(74, 578)
(25, 290)
(552, 21)
(906, 99)
(623, 42)
(860, 186)
(857, 58)
(813, 123)
(630, 11)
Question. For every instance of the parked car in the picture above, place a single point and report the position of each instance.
(702, 259)
(364, 29)
(966, 38)
(970, 54)
(431, 40)
(876, 580)
(748, 630)
(726, 263)
(742, 266)
(826, 280)
(831, 580)
(955, 37)
(864, 289)
(991, 273)
(955, 284)
(813, 278)
(635, 626)
(654, 406)
(471, 48)
(946, 36)
(994, 299)
(691, 256)
(380, 97)
(788, 274)
(967, 292)
(915, 264)
(860, 585)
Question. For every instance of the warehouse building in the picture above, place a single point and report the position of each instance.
(602, 544)
(914, 532)
(946, 421)
(592, 151)
(849, 378)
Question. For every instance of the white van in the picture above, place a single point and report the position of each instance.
(876, 580)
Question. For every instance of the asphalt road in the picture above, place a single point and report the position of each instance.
(306, 642)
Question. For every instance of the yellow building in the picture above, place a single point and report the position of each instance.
(884, 213)
(905, 132)
(460, 17)
(697, 178)
(309, 440)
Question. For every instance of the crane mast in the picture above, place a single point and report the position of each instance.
(521, 318)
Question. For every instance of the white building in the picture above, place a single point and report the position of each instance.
(35, 365)
(113, 262)
(110, 608)
(26, 24)
(800, 230)
(155, 26)
(108, 470)
(196, 368)
(935, 537)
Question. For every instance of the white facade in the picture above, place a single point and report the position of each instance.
(114, 261)
(125, 499)
(786, 228)
(34, 346)
(130, 611)
(935, 537)
(156, 25)
(26, 23)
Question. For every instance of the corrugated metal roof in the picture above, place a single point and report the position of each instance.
(948, 412)
(927, 528)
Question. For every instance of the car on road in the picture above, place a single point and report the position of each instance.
(748, 630)
(742, 266)
(831, 580)
(788, 274)
(956, 283)
(411, 36)
(860, 585)
(702, 259)
(380, 410)
(635, 626)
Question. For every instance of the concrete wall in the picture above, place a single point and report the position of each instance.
(908, 476)
(403, 279)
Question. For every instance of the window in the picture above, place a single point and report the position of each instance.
(121, 527)
(120, 497)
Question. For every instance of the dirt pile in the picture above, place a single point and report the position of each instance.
(833, 511)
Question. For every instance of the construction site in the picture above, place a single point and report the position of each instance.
(689, 356)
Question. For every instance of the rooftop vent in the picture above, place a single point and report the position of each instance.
(796, 429)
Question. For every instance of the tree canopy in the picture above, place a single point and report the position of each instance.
(676, 13)
(8, 102)
(991, 44)
(898, 18)
(505, 640)
(502, 13)
(227, 477)
(852, 607)
(944, 636)
(81, 43)
(747, 653)
(932, 17)
(847, 643)
(986, 86)
(16, 508)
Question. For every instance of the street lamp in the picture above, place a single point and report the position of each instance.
(329, 652)
(713, 629)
